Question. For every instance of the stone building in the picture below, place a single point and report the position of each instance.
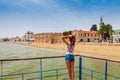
(81, 36)
(29, 36)
(86, 36)
(48, 38)
(116, 36)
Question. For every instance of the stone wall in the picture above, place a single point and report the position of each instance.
(48, 38)
(86, 36)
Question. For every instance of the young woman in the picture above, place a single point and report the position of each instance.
(69, 58)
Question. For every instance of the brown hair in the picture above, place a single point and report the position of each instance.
(72, 40)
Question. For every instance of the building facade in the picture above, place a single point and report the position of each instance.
(86, 36)
(81, 36)
(48, 38)
(29, 36)
(116, 36)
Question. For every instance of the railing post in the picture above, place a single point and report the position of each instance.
(56, 74)
(106, 69)
(40, 68)
(91, 74)
(22, 76)
(1, 72)
(80, 68)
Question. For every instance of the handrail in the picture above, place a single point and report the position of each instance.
(33, 58)
(30, 58)
(101, 58)
(59, 57)
(105, 73)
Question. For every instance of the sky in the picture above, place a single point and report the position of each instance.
(41, 16)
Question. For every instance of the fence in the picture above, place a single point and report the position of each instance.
(86, 68)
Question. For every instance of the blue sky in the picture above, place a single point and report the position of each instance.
(19, 16)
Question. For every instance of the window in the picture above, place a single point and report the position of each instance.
(95, 35)
(81, 40)
(88, 35)
(91, 34)
(85, 34)
(81, 35)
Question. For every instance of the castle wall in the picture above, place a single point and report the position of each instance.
(48, 38)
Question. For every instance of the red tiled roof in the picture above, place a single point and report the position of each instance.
(89, 32)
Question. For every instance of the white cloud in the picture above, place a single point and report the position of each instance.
(22, 3)
(55, 17)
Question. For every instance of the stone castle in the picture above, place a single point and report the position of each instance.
(48, 38)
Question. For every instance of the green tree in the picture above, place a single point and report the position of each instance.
(67, 33)
(93, 28)
(5, 39)
(105, 31)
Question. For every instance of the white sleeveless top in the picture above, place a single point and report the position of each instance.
(69, 49)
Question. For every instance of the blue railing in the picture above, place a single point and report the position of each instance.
(82, 72)
(105, 73)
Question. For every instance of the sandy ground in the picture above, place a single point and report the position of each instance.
(95, 50)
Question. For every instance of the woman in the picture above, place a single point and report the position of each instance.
(69, 58)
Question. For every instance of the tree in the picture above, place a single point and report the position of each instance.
(105, 31)
(67, 33)
(5, 39)
(93, 28)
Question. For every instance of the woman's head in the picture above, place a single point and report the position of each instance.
(72, 39)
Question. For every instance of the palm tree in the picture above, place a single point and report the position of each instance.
(106, 32)
(109, 30)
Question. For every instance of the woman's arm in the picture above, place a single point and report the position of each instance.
(64, 39)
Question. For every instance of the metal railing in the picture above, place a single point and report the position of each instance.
(81, 72)
(104, 73)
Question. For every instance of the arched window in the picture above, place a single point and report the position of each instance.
(81, 40)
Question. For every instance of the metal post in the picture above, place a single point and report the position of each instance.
(56, 74)
(22, 76)
(40, 69)
(1, 72)
(91, 74)
(106, 69)
(80, 68)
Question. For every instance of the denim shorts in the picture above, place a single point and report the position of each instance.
(69, 57)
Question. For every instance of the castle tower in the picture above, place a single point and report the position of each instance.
(101, 21)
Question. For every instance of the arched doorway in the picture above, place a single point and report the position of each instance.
(88, 40)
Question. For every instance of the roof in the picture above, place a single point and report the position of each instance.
(88, 32)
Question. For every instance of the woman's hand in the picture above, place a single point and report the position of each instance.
(64, 39)
(69, 36)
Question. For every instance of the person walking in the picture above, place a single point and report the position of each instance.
(69, 58)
